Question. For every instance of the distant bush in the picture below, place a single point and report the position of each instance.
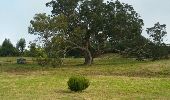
(44, 58)
(78, 83)
(42, 61)
(21, 61)
(54, 62)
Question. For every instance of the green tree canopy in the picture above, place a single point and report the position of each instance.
(158, 49)
(21, 44)
(157, 33)
(7, 48)
(86, 25)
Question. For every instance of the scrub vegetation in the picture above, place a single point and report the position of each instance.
(111, 77)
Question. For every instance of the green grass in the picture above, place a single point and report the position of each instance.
(111, 77)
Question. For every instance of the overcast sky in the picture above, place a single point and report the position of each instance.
(15, 16)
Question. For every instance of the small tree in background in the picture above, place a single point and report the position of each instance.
(157, 34)
(21, 44)
(7, 49)
(33, 50)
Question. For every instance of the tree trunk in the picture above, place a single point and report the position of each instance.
(88, 57)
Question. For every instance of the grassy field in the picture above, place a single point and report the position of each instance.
(111, 77)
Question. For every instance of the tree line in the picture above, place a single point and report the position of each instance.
(7, 49)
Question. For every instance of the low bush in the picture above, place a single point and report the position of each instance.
(42, 61)
(54, 62)
(78, 83)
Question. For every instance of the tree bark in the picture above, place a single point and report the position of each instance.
(87, 53)
(88, 57)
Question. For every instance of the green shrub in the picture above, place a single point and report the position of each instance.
(78, 83)
(48, 58)
(42, 61)
(56, 62)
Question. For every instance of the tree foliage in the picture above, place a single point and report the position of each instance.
(7, 49)
(157, 33)
(158, 49)
(32, 50)
(86, 25)
(21, 44)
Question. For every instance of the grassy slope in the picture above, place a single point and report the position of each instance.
(112, 77)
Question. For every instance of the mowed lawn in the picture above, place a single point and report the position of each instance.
(111, 77)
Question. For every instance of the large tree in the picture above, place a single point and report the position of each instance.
(86, 25)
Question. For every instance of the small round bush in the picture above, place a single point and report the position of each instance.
(78, 83)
